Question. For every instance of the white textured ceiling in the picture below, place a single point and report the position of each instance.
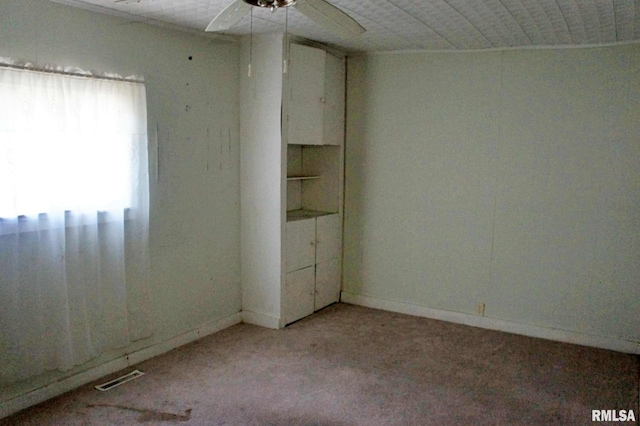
(416, 24)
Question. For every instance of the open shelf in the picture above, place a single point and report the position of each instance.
(300, 214)
(313, 177)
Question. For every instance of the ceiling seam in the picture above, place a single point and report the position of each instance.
(504, 27)
(425, 24)
(496, 29)
(615, 19)
(587, 16)
(627, 20)
(518, 22)
(605, 19)
(469, 21)
(573, 41)
(636, 21)
(544, 16)
(353, 13)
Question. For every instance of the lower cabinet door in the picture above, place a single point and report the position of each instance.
(298, 294)
(327, 283)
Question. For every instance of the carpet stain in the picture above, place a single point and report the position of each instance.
(150, 415)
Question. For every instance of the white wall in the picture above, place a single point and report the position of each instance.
(193, 110)
(262, 189)
(507, 178)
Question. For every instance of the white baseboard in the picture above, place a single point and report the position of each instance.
(602, 342)
(58, 388)
(262, 320)
(184, 338)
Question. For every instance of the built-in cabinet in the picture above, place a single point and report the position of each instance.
(313, 256)
(306, 253)
(315, 132)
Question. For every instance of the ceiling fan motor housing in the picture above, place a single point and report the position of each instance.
(270, 4)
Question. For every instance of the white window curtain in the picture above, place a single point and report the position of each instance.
(74, 258)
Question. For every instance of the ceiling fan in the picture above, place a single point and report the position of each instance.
(321, 12)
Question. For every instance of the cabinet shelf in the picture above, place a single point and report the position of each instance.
(301, 214)
(290, 178)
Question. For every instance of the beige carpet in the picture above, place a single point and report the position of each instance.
(348, 365)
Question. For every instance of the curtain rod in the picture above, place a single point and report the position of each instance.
(85, 74)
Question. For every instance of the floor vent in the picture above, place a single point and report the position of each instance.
(120, 380)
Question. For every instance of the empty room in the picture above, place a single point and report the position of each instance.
(316, 212)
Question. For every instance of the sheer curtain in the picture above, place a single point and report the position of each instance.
(74, 259)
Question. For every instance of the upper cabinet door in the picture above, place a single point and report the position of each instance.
(334, 89)
(306, 95)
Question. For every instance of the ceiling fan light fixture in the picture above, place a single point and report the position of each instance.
(270, 4)
(322, 12)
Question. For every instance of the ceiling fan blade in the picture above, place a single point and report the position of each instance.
(330, 17)
(230, 16)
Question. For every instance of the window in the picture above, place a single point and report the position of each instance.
(68, 142)
(73, 167)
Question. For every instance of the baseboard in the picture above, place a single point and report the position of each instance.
(184, 338)
(58, 388)
(602, 342)
(262, 320)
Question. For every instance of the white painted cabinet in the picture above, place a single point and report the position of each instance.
(292, 121)
(306, 95)
(314, 126)
(298, 297)
(328, 237)
(301, 244)
(314, 240)
(315, 133)
(316, 101)
(312, 287)
(334, 101)
(327, 283)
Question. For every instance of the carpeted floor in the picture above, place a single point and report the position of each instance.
(349, 365)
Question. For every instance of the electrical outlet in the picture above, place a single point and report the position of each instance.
(480, 308)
